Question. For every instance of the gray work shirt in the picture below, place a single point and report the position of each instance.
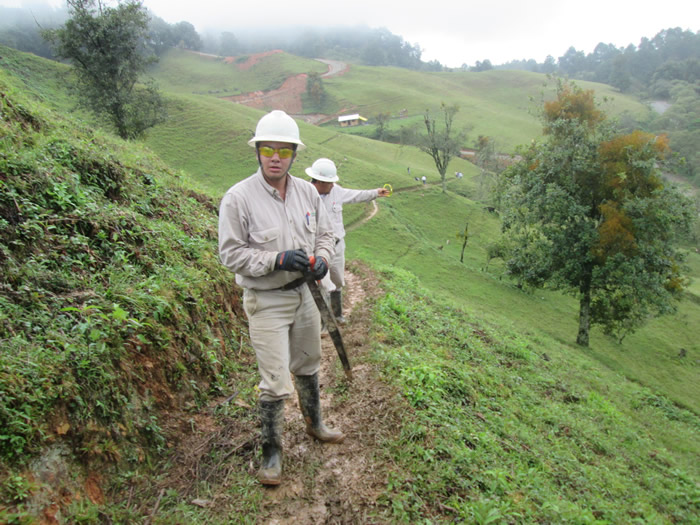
(255, 224)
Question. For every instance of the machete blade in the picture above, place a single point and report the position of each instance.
(329, 321)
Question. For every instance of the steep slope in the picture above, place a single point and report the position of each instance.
(114, 311)
(129, 386)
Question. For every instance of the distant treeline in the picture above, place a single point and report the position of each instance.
(21, 29)
(358, 44)
(665, 67)
(673, 54)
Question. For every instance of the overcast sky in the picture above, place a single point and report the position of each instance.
(453, 32)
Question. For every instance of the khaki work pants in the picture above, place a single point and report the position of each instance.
(285, 331)
(337, 266)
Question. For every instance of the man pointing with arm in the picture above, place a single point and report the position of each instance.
(324, 176)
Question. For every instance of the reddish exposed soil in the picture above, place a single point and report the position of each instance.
(252, 59)
(288, 96)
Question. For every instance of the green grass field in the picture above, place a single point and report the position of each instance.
(412, 224)
(498, 104)
(509, 421)
(186, 72)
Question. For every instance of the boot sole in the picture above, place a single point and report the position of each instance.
(270, 482)
(338, 439)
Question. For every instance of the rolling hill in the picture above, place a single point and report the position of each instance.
(478, 406)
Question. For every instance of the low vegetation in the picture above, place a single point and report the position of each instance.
(114, 307)
(123, 339)
(511, 426)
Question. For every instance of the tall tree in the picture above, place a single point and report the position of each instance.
(441, 142)
(315, 89)
(108, 48)
(186, 37)
(586, 211)
(572, 61)
(382, 119)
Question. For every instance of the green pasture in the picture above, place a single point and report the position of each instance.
(412, 231)
(183, 71)
(206, 138)
(498, 104)
(507, 425)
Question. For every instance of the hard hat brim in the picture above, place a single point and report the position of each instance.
(311, 173)
(276, 138)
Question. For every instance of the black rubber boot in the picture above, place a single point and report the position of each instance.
(272, 421)
(310, 403)
(337, 306)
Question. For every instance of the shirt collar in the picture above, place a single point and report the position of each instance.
(271, 190)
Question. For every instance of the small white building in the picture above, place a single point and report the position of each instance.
(351, 120)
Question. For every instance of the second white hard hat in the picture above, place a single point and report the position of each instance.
(277, 126)
(323, 170)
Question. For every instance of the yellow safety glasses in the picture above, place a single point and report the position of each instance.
(284, 153)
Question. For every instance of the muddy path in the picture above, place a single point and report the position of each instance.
(326, 483)
(322, 483)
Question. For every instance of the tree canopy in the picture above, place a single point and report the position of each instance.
(587, 211)
(442, 142)
(108, 49)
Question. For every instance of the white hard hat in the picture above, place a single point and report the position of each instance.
(323, 170)
(277, 126)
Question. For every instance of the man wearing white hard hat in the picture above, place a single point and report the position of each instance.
(324, 175)
(269, 226)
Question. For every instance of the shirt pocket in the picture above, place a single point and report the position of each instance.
(250, 302)
(264, 238)
(337, 207)
(310, 226)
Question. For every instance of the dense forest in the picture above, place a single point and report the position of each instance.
(664, 69)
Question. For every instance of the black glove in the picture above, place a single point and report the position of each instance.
(320, 268)
(292, 261)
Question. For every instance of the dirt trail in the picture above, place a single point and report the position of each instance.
(288, 96)
(322, 483)
(325, 483)
(369, 216)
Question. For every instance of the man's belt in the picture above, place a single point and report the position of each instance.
(296, 283)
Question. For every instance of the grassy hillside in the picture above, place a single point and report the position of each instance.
(497, 104)
(122, 328)
(185, 72)
(411, 226)
(115, 314)
(512, 426)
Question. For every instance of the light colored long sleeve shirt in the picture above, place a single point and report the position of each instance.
(334, 201)
(255, 224)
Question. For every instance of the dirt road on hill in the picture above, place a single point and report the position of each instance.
(335, 67)
(288, 96)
